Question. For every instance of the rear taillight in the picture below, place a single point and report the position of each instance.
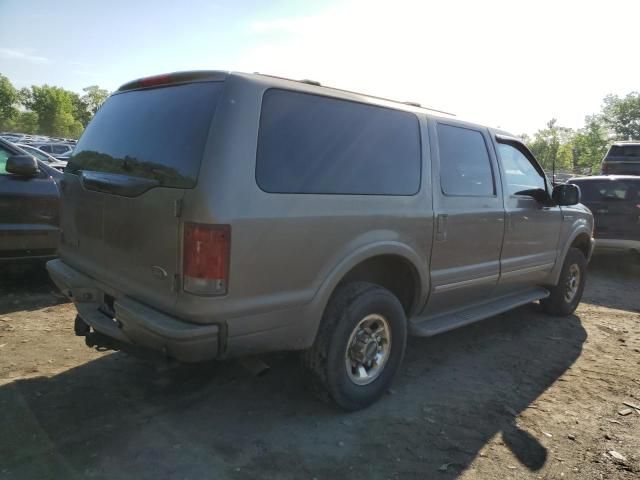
(206, 258)
(154, 81)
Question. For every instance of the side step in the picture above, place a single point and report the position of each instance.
(427, 326)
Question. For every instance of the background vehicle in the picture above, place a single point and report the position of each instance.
(61, 151)
(298, 217)
(43, 157)
(29, 204)
(623, 158)
(615, 203)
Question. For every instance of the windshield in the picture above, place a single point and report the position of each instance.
(154, 133)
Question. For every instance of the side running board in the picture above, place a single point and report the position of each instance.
(427, 326)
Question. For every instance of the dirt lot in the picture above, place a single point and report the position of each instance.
(521, 395)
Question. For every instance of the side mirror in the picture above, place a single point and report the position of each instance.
(538, 194)
(566, 194)
(23, 165)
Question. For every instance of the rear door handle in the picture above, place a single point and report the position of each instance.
(441, 227)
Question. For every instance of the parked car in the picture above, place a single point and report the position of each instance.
(43, 157)
(615, 203)
(61, 151)
(267, 214)
(622, 158)
(29, 203)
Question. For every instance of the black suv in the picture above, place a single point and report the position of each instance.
(623, 158)
(615, 203)
(29, 203)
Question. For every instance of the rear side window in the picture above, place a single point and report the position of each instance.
(465, 168)
(314, 144)
(156, 133)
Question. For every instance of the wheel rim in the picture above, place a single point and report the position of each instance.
(572, 284)
(368, 349)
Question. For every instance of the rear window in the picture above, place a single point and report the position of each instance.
(314, 144)
(154, 133)
(627, 151)
(608, 190)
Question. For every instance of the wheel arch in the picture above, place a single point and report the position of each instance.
(368, 264)
(581, 239)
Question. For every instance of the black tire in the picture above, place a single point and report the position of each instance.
(557, 303)
(325, 361)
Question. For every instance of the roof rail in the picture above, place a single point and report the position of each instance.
(310, 82)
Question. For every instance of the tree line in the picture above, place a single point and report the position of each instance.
(55, 111)
(47, 110)
(581, 150)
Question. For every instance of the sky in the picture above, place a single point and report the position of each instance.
(511, 64)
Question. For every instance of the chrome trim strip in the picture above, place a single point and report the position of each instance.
(523, 271)
(465, 283)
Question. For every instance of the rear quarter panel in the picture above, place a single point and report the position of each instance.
(288, 251)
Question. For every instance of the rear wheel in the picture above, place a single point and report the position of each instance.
(359, 346)
(566, 295)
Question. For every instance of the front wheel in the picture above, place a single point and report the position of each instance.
(359, 346)
(566, 295)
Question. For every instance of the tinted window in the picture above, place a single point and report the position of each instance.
(60, 148)
(520, 173)
(313, 144)
(608, 190)
(465, 168)
(624, 151)
(618, 167)
(45, 148)
(156, 133)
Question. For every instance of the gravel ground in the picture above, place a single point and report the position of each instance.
(521, 395)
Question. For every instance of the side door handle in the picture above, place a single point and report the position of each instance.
(441, 227)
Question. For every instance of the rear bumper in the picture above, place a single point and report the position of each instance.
(135, 323)
(613, 244)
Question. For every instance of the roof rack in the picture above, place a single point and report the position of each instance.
(318, 84)
(310, 82)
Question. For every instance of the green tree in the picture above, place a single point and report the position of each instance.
(553, 144)
(55, 109)
(88, 104)
(590, 144)
(94, 97)
(9, 99)
(48, 110)
(622, 115)
(26, 122)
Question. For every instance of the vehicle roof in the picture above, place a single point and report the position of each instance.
(623, 143)
(35, 144)
(606, 177)
(308, 86)
(33, 147)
